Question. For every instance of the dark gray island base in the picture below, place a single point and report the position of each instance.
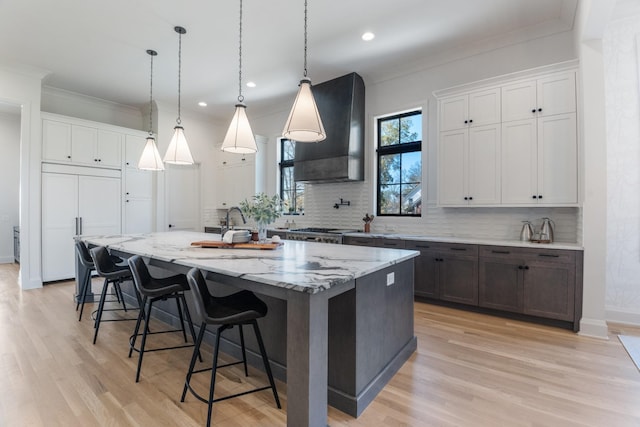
(335, 336)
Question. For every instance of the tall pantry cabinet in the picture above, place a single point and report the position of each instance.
(86, 178)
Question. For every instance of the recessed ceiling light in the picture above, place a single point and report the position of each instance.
(368, 36)
(251, 84)
(202, 104)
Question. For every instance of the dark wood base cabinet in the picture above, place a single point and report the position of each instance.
(446, 271)
(536, 284)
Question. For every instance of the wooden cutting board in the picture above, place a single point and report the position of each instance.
(223, 245)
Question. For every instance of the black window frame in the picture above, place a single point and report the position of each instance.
(400, 148)
(284, 164)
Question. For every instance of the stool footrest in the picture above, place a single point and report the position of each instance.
(202, 399)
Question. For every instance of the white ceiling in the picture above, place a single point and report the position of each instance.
(97, 47)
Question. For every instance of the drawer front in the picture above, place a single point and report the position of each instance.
(530, 254)
(390, 243)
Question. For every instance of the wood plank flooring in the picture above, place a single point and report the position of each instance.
(469, 370)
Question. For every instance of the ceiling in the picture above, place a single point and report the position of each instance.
(97, 48)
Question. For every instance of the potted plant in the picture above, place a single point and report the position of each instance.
(263, 209)
(367, 222)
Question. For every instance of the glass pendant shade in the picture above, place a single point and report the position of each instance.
(150, 159)
(304, 123)
(178, 152)
(239, 138)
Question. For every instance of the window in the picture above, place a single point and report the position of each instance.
(291, 192)
(400, 164)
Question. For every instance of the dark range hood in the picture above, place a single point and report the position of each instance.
(340, 157)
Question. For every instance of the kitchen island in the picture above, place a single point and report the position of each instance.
(348, 310)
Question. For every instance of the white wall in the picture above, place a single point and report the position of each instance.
(415, 90)
(9, 181)
(621, 48)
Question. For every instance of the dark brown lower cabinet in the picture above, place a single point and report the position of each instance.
(446, 271)
(536, 282)
(529, 282)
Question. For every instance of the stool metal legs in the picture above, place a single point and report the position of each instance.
(214, 367)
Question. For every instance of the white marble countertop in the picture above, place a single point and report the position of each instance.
(473, 241)
(302, 266)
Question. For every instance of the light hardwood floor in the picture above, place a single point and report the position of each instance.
(469, 370)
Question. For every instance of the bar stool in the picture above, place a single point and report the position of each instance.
(240, 308)
(113, 274)
(84, 257)
(152, 289)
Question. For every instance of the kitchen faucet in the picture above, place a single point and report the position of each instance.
(226, 227)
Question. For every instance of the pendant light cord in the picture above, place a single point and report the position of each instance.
(151, 95)
(178, 120)
(305, 38)
(240, 97)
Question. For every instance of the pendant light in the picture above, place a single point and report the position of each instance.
(239, 138)
(178, 152)
(304, 123)
(150, 159)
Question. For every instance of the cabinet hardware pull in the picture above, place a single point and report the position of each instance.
(501, 252)
(423, 246)
(549, 255)
(77, 229)
(68, 157)
(520, 267)
(539, 109)
(466, 121)
(470, 121)
(526, 267)
(458, 249)
(390, 244)
(466, 198)
(533, 111)
(80, 225)
(470, 198)
(539, 196)
(534, 196)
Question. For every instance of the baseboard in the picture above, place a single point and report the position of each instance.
(595, 328)
(623, 317)
(355, 405)
(6, 260)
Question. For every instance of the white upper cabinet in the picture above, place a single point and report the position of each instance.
(473, 109)
(469, 166)
(133, 147)
(72, 143)
(550, 95)
(513, 143)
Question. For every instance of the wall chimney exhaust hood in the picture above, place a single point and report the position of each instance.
(340, 157)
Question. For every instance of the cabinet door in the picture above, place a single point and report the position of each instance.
(549, 290)
(557, 94)
(458, 275)
(133, 147)
(138, 215)
(84, 145)
(138, 183)
(519, 162)
(182, 187)
(56, 141)
(452, 167)
(59, 215)
(557, 159)
(500, 283)
(484, 107)
(109, 149)
(454, 113)
(519, 101)
(99, 204)
(426, 279)
(484, 165)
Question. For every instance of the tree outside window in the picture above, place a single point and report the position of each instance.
(291, 193)
(400, 165)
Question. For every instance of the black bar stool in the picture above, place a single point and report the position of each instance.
(240, 308)
(84, 257)
(113, 274)
(152, 290)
